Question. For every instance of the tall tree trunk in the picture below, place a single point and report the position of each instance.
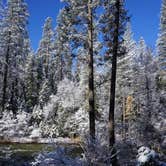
(5, 76)
(113, 75)
(113, 79)
(91, 76)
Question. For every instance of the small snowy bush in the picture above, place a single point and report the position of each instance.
(37, 114)
(35, 133)
(69, 94)
(78, 122)
(23, 117)
(146, 156)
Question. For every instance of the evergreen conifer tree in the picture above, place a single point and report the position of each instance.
(13, 38)
(161, 46)
(46, 47)
(83, 36)
(125, 78)
(30, 78)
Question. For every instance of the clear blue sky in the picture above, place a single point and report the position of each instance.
(144, 18)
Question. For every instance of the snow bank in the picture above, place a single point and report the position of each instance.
(147, 156)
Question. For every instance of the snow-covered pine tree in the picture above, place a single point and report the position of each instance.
(161, 46)
(161, 74)
(14, 35)
(125, 61)
(45, 63)
(144, 92)
(161, 51)
(63, 43)
(83, 35)
(27, 51)
(125, 79)
(58, 60)
(44, 93)
(30, 78)
(45, 47)
(113, 23)
(53, 74)
(1, 11)
(1, 47)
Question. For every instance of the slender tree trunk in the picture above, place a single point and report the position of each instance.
(24, 96)
(148, 110)
(123, 119)
(91, 76)
(16, 96)
(61, 68)
(148, 98)
(5, 76)
(113, 79)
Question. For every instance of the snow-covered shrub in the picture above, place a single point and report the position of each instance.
(69, 94)
(44, 94)
(23, 117)
(74, 106)
(46, 118)
(23, 121)
(50, 110)
(146, 156)
(78, 123)
(37, 114)
(72, 115)
(47, 111)
(48, 130)
(7, 116)
(35, 133)
(65, 112)
(15, 126)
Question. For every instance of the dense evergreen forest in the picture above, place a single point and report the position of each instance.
(88, 80)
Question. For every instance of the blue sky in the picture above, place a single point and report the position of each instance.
(144, 14)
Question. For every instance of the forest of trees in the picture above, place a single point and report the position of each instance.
(88, 75)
